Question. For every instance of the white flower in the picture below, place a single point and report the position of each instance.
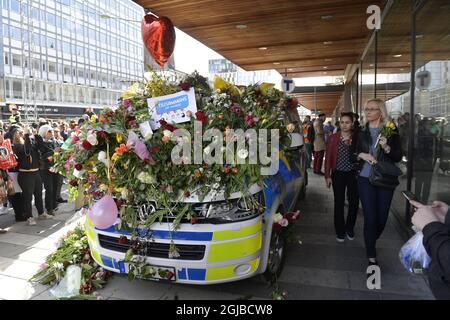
(58, 266)
(290, 127)
(277, 218)
(284, 222)
(77, 244)
(94, 169)
(92, 139)
(146, 178)
(148, 136)
(242, 154)
(167, 133)
(102, 157)
(124, 194)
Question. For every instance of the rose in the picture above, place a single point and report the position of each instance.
(156, 149)
(200, 116)
(126, 103)
(78, 166)
(185, 86)
(92, 139)
(102, 134)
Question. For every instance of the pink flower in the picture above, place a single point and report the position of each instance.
(126, 103)
(284, 222)
(139, 147)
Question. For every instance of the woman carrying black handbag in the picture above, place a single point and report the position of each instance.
(377, 149)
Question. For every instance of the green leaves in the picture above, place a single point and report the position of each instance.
(129, 255)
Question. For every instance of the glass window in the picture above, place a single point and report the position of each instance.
(17, 89)
(432, 105)
(51, 43)
(44, 66)
(6, 55)
(5, 4)
(80, 73)
(80, 51)
(35, 13)
(51, 19)
(16, 60)
(7, 88)
(52, 67)
(67, 70)
(15, 6)
(66, 47)
(15, 33)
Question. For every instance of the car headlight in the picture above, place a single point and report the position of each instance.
(233, 210)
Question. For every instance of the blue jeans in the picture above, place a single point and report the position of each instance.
(376, 202)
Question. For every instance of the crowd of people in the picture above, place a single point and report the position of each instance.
(359, 162)
(32, 148)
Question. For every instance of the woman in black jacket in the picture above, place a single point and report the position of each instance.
(26, 150)
(47, 147)
(434, 221)
(375, 200)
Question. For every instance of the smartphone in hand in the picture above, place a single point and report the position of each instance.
(409, 195)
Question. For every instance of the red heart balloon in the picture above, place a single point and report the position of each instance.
(158, 35)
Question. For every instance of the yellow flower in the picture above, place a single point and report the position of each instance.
(118, 189)
(119, 138)
(93, 118)
(265, 87)
(115, 157)
(125, 166)
(131, 92)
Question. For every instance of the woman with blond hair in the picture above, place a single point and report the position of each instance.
(377, 141)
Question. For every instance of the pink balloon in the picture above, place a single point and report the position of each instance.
(103, 213)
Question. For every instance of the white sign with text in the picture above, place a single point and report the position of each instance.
(172, 108)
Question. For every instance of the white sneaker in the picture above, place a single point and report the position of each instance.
(45, 216)
(31, 222)
(340, 240)
(3, 210)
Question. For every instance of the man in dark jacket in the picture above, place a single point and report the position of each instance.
(434, 221)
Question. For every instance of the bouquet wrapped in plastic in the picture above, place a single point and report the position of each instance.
(413, 254)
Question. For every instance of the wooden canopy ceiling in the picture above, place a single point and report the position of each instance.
(300, 38)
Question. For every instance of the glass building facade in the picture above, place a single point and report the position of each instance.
(407, 64)
(66, 55)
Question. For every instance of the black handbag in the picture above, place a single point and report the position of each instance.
(385, 174)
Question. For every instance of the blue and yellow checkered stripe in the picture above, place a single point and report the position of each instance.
(225, 245)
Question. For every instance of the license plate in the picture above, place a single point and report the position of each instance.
(151, 272)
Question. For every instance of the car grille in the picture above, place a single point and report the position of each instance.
(156, 250)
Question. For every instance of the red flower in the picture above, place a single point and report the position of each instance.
(87, 145)
(74, 140)
(276, 227)
(78, 167)
(201, 117)
(123, 240)
(162, 122)
(156, 149)
(194, 220)
(166, 126)
(133, 124)
(185, 86)
(169, 275)
(73, 183)
(102, 134)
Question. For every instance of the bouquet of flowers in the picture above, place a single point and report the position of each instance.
(387, 131)
(112, 155)
(73, 250)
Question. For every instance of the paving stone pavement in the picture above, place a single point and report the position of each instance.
(317, 267)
